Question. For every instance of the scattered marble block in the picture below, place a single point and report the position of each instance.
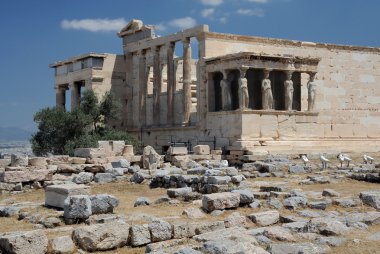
(201, 149)
(55, 195)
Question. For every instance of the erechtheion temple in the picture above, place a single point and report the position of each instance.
(245, 94)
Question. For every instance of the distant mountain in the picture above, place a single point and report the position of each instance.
(14, 134)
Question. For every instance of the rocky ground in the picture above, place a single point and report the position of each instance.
(188, 204)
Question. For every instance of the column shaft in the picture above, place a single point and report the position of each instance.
(60, 93)
(75, 95)
(171, 83)
(186, 80)
(157, 86)
(143, 88)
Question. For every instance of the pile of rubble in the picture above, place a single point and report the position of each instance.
(268, 216)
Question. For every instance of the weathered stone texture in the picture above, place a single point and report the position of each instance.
(55, 195)
(24, 242)
(220, 201)
(102, 237)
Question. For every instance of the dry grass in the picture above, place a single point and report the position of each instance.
(127, 193)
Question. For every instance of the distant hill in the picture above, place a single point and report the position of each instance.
(12, 133)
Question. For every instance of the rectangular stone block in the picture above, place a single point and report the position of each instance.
(90, 152)
(178, 150)
(128, 150)
(220, 201)
(201, 149)
(118, 147)
(106, 146)
(55, 195)
(26, 175)
(4, 163)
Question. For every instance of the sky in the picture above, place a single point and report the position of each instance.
(37, 33)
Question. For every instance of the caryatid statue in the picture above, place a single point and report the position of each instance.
(312, 91)
(288, 84)
(226, 92)
(243, 90)
(266, 91)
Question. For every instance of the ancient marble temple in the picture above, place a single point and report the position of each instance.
(248, 95)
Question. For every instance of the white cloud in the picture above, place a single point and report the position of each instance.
(207, 13)
(160, 27)
(212, 2)
(223, 20)
(182, 23)
(94, 25)
(259, 1)
(251, 12)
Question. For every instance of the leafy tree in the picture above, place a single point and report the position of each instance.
(56, 127)
(102, 112)
(89, 106)
(60, 132)
(110, 107)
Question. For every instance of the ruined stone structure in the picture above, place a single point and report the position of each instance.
(100, 72)
(252, 94)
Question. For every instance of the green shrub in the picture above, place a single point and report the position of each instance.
(60, 132)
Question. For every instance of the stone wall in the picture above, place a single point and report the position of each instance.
(348, 97)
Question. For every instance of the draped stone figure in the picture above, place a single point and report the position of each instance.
(312, 92)
(243, 93)
(266, 91)
(226, 93)
(289, 89)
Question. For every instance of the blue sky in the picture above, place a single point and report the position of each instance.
(37, 33)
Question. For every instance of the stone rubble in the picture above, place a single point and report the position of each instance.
(247, 215)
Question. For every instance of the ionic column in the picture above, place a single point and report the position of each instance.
(186, 80)
(312, 92)
(60, 97)
(171, 83)
(143, 87)
(243, 89)
(75, 95)
(288, 85)
(157, 85)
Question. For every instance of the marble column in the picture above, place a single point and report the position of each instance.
(157, 86)
(266, 91)
(60, 97)
(75, 94)
(142, 87)
(312, 92)
(289, 89)
(128, 116)
(171, 83)
(243, 89)
(186, 81)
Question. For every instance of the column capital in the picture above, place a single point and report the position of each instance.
(267, 70)
(140, 52)
(243, 70)
(186, 41)
(266, 73)
(311, 75)
(156, 48)
(289, 74)
(224, 73)
(170, 44)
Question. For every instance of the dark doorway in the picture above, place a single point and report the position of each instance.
(277, 81)
(218, 76)
(254, 78)
(233, 77)
(296, 78)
